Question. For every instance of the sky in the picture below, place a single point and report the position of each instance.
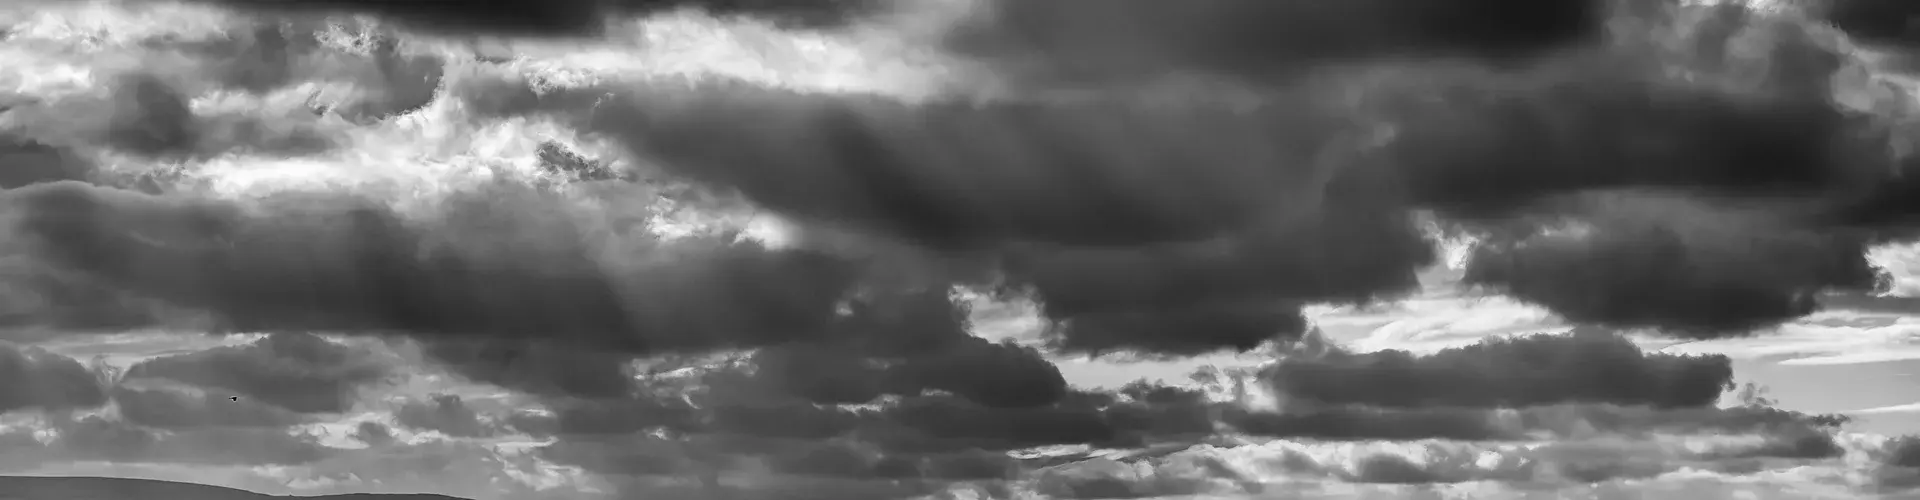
(959, 249)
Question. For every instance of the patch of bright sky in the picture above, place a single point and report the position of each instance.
(1809, 342)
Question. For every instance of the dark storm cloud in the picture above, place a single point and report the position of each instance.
(1904, 451)
(1888, 210)
(1179, 331)
(1589, 366)
(934, 440)
(823, 374)
(915, 427)
(790, 13)
(1452, 135)
(1577, 387)
(959, 175)
(1561, 421)
(558, 18)
(1875, 21)
(1102, 201)
(615, 416)
(932, 437)
(1121, 171)
(1296, 193)
(331, 262)
(535, 366)
(908, 343)
(909, 322)
(299, 372)
(25, 161)
(1002, 375)
(922, 422)
(1348, 254)
(150, 117)
(796, 421)
(1689, 267)
(1092, 40)
(1086, 183)
(32, 378)
(940, 423)
(445, 413)
(373, 433)
(180, 408)
(32, 294)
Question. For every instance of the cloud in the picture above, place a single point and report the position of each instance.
(535, 367)
(1104, 41)
(1871, 20)
(445, 413)
(1887, 207)
(455, 468)
(258, 60)
(823, 374)
(147, 115)
(635, 454)
(955, 424)
(1691, 268)
(1350, 253)
(33, 294)
(933, 438)
(903, 342)
(101, 438)
(1179, 330)
(557, 159)
(1165, 225)
(1904, 452)
(1895, 409)
(610, 417)
(1100, 170)
(1595, 391)
(1003, 375)
(298, 372)
(1555, 422)
(400, 83)
(36, 379)
(559, 18)
(1489, 469)
(1303, 193)
(956, 174)
(335, 262)
(841, 460)
(163, 407)
(364, 77)
(1589, 365)
(888, 342)
(31, 162)
(373, 433)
